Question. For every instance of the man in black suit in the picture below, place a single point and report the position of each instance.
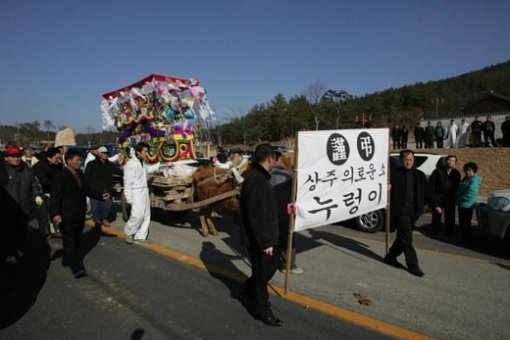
(409, 192)
(260, 226)
(68, 206)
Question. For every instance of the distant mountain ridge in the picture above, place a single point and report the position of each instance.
(453, 93)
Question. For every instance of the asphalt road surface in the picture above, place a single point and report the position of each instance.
(132, 292)
(180, 287)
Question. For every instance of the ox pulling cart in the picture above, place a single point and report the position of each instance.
(207, 188)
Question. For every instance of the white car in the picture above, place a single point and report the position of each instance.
(494, 216)
(375, 220)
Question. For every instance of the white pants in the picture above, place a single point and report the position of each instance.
(138, 223)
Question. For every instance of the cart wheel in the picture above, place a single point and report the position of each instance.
(125, 207)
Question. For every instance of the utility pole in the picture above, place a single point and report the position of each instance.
(437, 101)
(362, 120)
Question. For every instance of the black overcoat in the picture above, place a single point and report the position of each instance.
(68, 198)
(422, 193)
(45, 172)
(258, 210)
(99, 178)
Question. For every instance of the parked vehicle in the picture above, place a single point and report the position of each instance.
(494, 216)
(375, 220)
(283, 148)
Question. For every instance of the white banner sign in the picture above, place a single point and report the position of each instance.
(341, 174)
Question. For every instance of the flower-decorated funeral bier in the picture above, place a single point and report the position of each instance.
(160, 111)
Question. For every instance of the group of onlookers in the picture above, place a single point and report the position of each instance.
(476, 134)
(52, 191)
(443, 192)
(449, 192)
(399, 136)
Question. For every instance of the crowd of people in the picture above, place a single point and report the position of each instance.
(54, 191)
(50, 193)
(474, 134)
(444, 191)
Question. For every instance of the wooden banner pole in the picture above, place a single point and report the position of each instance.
(388, 202)
(291, 217)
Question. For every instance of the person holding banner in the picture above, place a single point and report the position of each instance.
(281, 182)
(260, 233)
(409, 192)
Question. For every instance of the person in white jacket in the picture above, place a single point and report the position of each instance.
(464, 128)
(136, 193)
(451, 134)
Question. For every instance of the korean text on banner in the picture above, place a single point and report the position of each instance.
(341, 174)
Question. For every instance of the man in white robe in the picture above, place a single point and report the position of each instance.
(136, 193)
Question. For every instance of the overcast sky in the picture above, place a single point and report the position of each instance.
(58, 57)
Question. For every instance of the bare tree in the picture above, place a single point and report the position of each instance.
(335, 99)
(48, 125)
(314, 92)
(89, 131)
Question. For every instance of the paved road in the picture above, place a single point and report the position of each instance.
(163, 291)
(464, 294)
(132, 292)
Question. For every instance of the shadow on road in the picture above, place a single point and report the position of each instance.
(483, 243)
(501, 265)
(137, 334)
(344, 242)
(20, 284)
(90, 239)
(191, 220)
(227, 272)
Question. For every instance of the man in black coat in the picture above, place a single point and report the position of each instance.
(404, 133)
(45, 170)
(476, 132)
(409, 192)
(429, 136)
(99, 183)
(395, 135)
(453, 178)
(419, 135)
(444, 183)
(68, 206)
(488, 129)
(260, 226)
(505, 129)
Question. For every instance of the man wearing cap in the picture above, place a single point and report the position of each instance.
(23, 191)
(94, 153)
(99, 183)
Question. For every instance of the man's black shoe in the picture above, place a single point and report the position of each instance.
(270, 320)
(393, 262)
(239, 294)
(79, 273)
(416, 271)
